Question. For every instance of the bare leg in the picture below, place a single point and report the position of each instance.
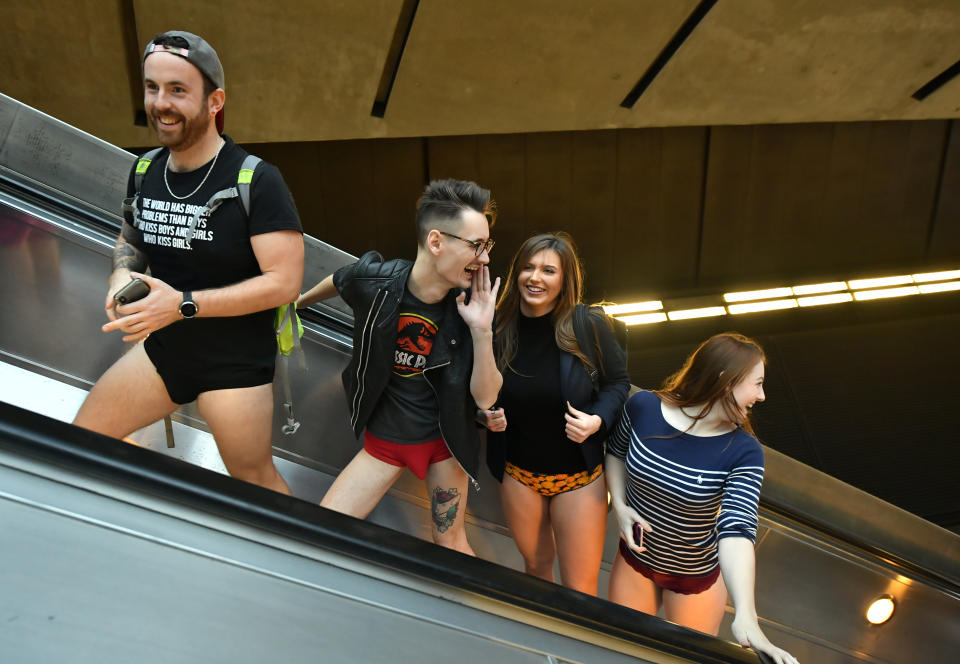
(241, 420)
(528, 515)
(447, 486)
(360, 486)
(579, 520)
(703, 611)
(128, 396)
(632, 589)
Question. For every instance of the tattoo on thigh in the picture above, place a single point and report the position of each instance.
(444, 504)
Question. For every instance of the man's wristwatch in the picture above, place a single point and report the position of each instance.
(188, 308)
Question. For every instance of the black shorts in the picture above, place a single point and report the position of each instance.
(187, 372)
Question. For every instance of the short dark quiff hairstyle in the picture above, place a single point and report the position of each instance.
(179, 42)
(443, 201)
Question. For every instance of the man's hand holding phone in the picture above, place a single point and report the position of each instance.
(136, 289)
(151, 309)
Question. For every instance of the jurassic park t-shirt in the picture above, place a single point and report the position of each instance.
(407, 411)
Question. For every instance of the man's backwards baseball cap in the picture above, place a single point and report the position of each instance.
(195, 50)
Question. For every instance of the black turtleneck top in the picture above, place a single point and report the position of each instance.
(533, 403)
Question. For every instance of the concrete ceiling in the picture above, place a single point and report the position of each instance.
(311, 70)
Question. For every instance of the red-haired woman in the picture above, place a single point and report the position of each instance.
(561, 399)
(684, 471)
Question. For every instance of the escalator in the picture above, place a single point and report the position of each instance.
(115, 550)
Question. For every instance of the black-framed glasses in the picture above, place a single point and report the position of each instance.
(479, 246)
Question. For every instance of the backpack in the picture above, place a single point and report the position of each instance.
(586, 333)
(242, 190)
(287, 323)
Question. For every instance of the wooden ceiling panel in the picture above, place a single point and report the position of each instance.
(945, 234)
(501, 66)
(659, 178)
(308, 71)
(69, 60)
(768, 61)
(791, 200)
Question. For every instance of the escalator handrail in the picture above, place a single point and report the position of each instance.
(847, 514)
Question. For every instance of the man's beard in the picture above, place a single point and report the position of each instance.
(191, 130)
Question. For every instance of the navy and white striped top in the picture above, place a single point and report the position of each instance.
(693, 490)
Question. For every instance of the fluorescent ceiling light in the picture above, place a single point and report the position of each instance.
(832, 298)
(880, 282)
(768, 305)
(936, 276)
(617, 309)
(683, 314)
(939, 288)
(643, 319)
(811, 295)
(813, 289)
(886, 292)
(757, 294)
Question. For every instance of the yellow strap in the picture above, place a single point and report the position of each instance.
(245, 176)
(142, 166)
(284, 328)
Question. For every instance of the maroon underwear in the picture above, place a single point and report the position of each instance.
(685, 585)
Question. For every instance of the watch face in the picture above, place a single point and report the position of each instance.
(188, 309)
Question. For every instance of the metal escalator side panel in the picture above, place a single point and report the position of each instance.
(838, 510)
(50, 156)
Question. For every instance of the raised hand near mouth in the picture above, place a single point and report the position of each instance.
(478, 313)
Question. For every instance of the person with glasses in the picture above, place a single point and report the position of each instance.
(422, 359)
(561, 398)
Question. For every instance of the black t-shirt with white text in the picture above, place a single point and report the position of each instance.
(220, 253)
(407, 412)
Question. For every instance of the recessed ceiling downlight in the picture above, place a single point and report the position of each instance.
(881, 610)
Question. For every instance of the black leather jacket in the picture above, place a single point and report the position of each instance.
(373, 288)
(576, 385)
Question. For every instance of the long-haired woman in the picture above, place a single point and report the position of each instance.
(561, 398)
(684, 471)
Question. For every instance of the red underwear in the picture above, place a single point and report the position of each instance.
(415, 457)
(685, 585)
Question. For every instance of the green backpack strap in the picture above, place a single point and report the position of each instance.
(143, 163)
(241, 191)
(244, 178)
(284, 320)
(289, 329)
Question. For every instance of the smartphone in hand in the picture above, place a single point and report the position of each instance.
(638, 535)
(137, 289)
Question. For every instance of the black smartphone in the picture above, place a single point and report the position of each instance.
(638, 535)
(137, 289)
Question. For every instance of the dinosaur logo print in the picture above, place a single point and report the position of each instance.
(415, 336)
